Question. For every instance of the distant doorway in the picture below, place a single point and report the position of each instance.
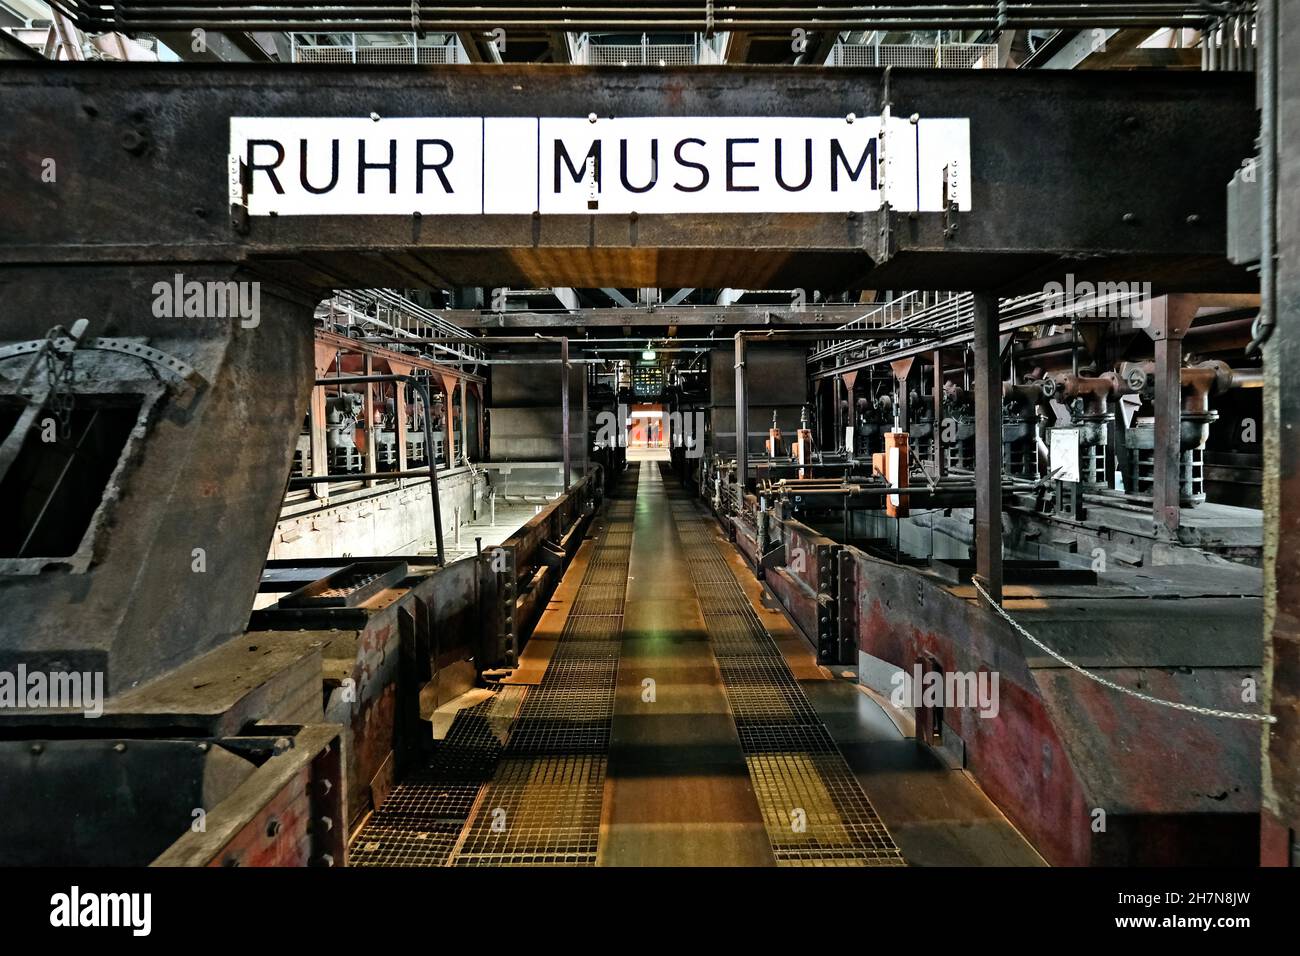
(646, 439)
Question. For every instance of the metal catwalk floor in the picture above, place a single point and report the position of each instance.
(664, 726)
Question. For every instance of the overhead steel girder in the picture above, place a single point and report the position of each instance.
(647, 16)
(1103, 174)
(748, 316)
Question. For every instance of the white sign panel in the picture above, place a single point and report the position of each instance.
(1063, 453)
(576, 166)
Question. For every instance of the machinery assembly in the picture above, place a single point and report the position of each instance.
(778, 435)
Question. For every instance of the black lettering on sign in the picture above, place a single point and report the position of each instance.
(839, 159)
(654, 167)
(363, 167)
(682, 161)
(268, 168)
(733, 164)
(421, 166)
(576, 172)
(807, 167)
(302, 168)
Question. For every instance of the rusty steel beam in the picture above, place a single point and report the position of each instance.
(149, 145)
(761, 17)
(828, 314)
(375, 349)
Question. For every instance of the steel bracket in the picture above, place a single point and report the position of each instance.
(828, 628)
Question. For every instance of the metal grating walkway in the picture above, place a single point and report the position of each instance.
(543, 805)
(524, 778)
(814, 811)
(421, 821)
(519, 778)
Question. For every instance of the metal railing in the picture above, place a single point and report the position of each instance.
(965, 56)
(691, 16)
(383, 311)
(646, 53)
(392, 50)
(952, 314)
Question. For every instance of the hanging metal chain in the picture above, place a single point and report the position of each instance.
(1192, 708)
(60, 379)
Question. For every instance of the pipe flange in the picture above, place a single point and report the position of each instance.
(133, 347)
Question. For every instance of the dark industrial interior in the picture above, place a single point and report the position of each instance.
(931, 512)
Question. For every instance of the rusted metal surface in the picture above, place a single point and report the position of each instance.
(522, 572)
(1171, 316)
(176, 118)
(746, 540)
(332, 343)
(143, 796)
(351, 586)
(186, 521)
(288, 813)
(803, 574)
(1174, 787)
(381, 658)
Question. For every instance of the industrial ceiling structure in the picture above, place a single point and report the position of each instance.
(671, 434)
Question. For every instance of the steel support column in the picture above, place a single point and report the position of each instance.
(742, 416)
(988, 445)
(368, 410)
(936, 439)
(464, 421)
(820, 402)
(480, 417)
(564, 410)
(586, 424)
(1168, 392)
(1171, 316)
(1281, 101)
